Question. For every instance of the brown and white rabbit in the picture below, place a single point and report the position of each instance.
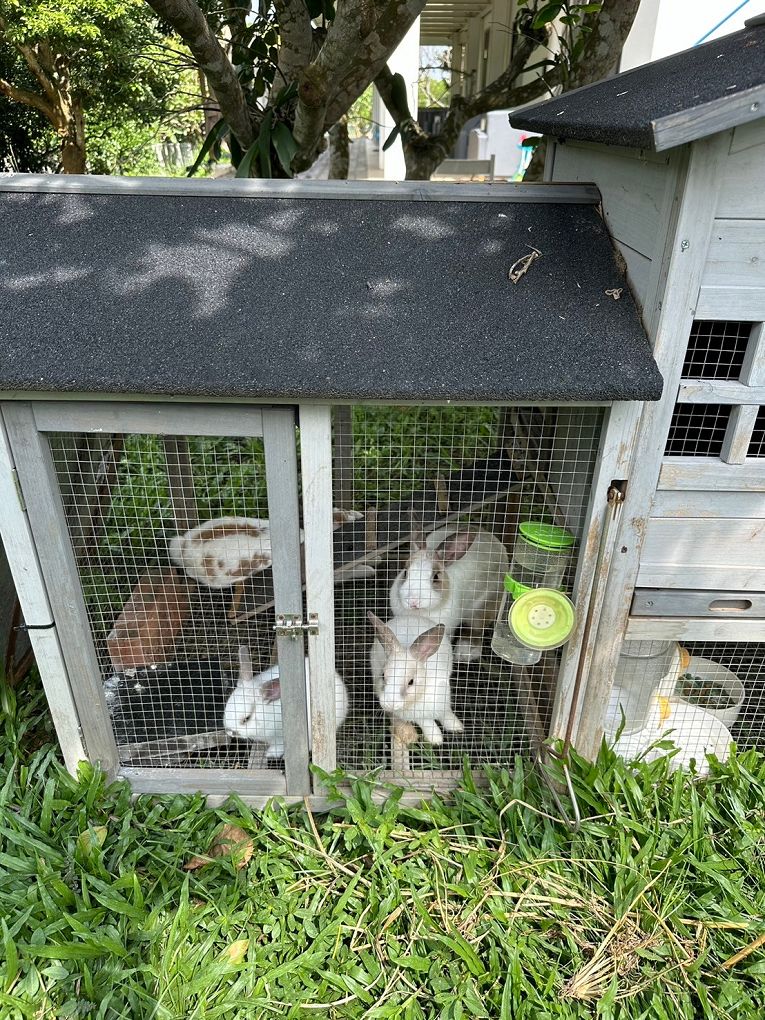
(455, 577)
(254, 708)
(227, 550)
(411, 660)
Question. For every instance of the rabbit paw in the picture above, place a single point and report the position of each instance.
(466, 651)
(451, 723)
(432, 732)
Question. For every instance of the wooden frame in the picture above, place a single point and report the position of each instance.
(79, 708)
(417, 191)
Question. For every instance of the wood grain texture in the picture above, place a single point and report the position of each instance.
(705, 474)
(662, 628)
(715, 604)
(29, 583)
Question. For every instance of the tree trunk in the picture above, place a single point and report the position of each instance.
(72, 134)
(339, 151)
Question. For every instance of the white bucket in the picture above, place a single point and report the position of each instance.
(706, 669)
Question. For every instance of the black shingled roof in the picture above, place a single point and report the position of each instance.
(665, 103)
(204, 294)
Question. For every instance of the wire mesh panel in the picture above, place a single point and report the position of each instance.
(697, 430)
(419, 578)
(695, 698)
(716, 350)
(172, 543)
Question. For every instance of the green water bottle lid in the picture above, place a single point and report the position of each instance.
(542, 618)
(546, 536)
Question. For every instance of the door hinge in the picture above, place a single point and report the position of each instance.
(293, 626)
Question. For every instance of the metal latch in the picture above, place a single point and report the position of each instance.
(293, 626)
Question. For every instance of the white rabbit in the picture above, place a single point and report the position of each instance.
(695, 732)
(254, 709)
(411, 661)
(454, 577)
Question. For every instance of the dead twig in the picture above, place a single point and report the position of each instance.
(522, 265)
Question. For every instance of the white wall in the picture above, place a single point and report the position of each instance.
(406, 62)
(663, 27)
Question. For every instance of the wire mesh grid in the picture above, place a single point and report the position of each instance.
(699, 696)
(716, 350)
(697, 430)
(443, 492)
(171, 540)
(757, 442)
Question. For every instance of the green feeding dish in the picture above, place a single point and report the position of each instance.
(546, 536)
(542, 618)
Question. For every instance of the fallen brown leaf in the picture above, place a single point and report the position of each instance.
(230, 840)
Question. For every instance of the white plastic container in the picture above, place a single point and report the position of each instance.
(711, 671)
(643, 666)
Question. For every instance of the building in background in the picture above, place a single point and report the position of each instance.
(479, 36)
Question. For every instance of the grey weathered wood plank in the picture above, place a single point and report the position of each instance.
(690, 503)
(707, 473)
(738, 433)
(282, 485)
(316, 471)
(663, 628)
(686, 553)
(714, 604)
(711, 391)
(391, 191)
(39, 484)
(741, 193)
(167, 419)
(736, 254)
(223, 782)
(738, 303)
(718, 115)
(632, 187)
(29, 583)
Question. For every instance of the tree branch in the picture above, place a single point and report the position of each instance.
(190, 24)
(353, 21)
(296, 35)
(26, 97)
(372, 54)
(34, 65)
(424, 152)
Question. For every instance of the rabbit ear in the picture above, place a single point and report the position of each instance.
(427, 644)
(385, 634)
(271, 691)
(455, 546)
(417, 537)
(245, 663)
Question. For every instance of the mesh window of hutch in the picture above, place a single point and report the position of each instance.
(262, 522)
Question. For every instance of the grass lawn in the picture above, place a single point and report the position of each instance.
(486, 906)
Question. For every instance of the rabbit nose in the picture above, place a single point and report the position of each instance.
(414, 603)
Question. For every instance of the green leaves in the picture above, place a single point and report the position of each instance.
(211, 145)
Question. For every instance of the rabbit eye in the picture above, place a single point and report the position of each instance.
(436, 577)
(405, 575)
(411, 683)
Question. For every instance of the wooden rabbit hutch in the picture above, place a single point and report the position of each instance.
(232, 413)
(677, 151)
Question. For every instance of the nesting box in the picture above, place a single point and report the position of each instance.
(677, 151)
(278, 395)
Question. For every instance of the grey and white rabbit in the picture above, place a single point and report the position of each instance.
(455, 577)
(411, 660)
(254, 708)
